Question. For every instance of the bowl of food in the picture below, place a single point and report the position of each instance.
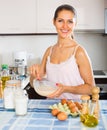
(44, 87)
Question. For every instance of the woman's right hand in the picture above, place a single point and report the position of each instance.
(34, 71)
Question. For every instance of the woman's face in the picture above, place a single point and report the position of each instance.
(65, 23)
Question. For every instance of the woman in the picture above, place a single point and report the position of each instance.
(66, 63)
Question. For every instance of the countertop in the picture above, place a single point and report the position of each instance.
(40, 118)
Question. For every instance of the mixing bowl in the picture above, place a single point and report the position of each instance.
(44, 87)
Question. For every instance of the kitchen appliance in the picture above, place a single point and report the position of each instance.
(98, 72)
(106, 21)
(20, 63)
(20, 58)
(101, 82)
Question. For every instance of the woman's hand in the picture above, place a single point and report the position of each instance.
(58, 92)
(34, 71)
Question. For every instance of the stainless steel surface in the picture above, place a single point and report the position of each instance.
(13, 69)
(106, 21)
(19, 70)
(22, 70)
(100, 73)
(103, 88)
(101, 81)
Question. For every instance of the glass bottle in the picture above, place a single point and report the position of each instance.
(95, 100)
(85, 107)
(85, 104)
(5, 74)
(21, 102)
(9, 92)
(91, 117)
(1, 89)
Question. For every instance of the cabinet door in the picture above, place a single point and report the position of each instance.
(45, 14)
(17, 16)
(90, 14)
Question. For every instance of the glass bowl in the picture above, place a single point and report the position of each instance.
(44, 87)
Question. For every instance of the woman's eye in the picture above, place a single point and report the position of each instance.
(70, 21)
(60, 20)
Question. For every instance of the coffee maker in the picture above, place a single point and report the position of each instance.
(20, 63)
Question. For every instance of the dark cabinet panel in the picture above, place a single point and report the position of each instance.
(102, 83)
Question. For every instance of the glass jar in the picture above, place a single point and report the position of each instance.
(9, 92)
(21, 101)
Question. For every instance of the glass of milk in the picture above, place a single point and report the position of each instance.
(21, 102)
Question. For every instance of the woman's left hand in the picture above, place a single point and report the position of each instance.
(58, 92)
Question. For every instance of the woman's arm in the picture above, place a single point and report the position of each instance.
(38, 71)
(86, 72)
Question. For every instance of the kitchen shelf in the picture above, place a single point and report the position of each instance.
(90, 31)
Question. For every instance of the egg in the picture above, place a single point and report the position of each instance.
(79, 106)
(55, 111)
(62, 116)
(69, 102)
(63, 101)
(71, 105)
(73, 109)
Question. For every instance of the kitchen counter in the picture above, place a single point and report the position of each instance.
(40, 118)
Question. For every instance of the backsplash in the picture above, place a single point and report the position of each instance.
(95, 45)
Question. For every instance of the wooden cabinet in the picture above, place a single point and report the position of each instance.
(45, 14)
(90, 14)
(17, 16)
(36, 16)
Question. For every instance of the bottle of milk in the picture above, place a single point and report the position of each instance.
(21, 102)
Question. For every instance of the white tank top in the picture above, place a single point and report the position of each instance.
(66, 73)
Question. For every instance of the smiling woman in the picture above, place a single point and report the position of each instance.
(68, 20)
(66, 62)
